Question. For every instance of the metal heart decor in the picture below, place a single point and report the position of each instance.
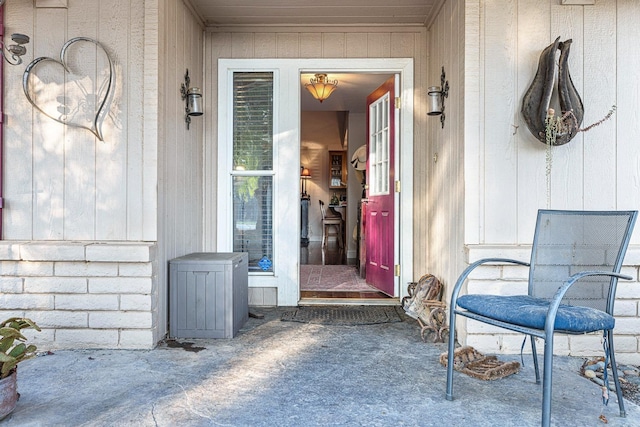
(80, 96)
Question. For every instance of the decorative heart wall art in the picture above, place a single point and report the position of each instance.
(75, 90)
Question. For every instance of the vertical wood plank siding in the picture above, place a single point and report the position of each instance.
(64, 184)
(597, 169)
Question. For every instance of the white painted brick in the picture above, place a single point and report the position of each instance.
(85, 269)
(11, 285)
(560, 345)
(515, 273)
(53, 251)
(488, 344)
(120, 285)
(518, 252)
(7, 314)
(125, 320)
(626, 308)
(586, 345)
(627, 326)
(86, 302)
(627, 358)
(135, 302)
(591, 344)
(486, 272)
(26, 301)
(474, 327)
(628, 290)
(86, 338)
(56, 285)
(137, 339)
(44, 340)
(629, 271)
(10, 250)
(26, 268)
(511, 344)
(632, 257)
(625, 343)
(498, 287)
(119, 252)
(135, 269)
(59, 319)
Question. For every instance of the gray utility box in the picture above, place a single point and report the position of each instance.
(209, 295)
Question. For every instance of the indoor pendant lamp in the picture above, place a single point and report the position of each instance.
(320, 87)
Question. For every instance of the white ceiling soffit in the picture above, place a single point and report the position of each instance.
(323, 13)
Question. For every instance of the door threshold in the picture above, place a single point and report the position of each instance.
(348, 301)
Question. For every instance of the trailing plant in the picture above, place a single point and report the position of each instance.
(13, 347)
(567, 123)
(555, 126)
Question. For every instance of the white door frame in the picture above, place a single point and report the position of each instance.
(285, 277)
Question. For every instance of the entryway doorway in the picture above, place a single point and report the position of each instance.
(334, 141)
(257, 168)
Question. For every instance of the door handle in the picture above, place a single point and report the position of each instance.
(365, 201)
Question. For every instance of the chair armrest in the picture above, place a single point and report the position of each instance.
(562, 290)
(470, 268)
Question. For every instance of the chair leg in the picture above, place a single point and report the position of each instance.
(614, 370)
(324, 235)
(534, 353)
(547, 380)
(452, 339)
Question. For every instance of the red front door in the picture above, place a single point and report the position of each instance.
(379, 222)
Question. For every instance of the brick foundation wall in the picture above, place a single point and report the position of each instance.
(509, 280)
(82, 294)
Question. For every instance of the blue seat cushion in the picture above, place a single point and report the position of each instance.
(530, 312)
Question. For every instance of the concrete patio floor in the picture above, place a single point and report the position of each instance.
(277, 373)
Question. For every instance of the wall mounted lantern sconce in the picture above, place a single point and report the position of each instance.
(15, 50)
(320, 87)
(193, 98)
(437, 94)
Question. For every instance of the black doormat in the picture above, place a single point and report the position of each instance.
(343, 315)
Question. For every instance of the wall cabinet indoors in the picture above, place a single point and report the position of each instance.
(337, 169)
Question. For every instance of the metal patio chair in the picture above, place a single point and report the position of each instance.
(573, 273)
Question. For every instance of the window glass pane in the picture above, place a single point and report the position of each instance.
(379, 140)
(253, 121)
(253, 220)
(253, 152)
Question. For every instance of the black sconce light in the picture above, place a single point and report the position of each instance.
(16, 51)
(193, 97)
(437, 94)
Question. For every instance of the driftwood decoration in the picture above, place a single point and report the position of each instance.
(423, 304)
(537, 100)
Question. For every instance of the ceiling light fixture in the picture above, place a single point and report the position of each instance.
(321, 87)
